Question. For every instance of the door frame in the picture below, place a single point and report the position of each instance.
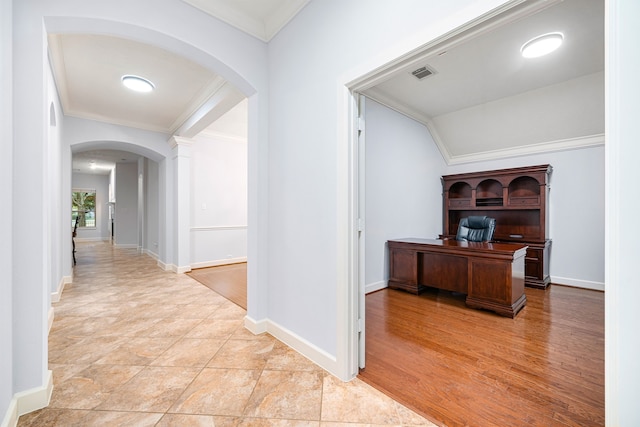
(351, 304)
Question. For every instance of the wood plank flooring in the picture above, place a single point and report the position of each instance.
(464, 367)
(230, 281)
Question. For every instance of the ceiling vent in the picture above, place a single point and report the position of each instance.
(422, 72)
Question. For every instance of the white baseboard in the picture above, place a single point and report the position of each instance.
(219, 262)
(126, 245)
(32, 400)
(183, 269)
(372, 287)
(51, 314)
(577, 283)
(174, 268)
(11, 416)
(254, 327)
(151, 254)
(165, 267)
(302, 346)
(55, 296)
(91, 239)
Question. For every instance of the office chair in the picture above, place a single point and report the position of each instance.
(476, 229)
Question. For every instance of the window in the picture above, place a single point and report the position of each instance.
(83, 208)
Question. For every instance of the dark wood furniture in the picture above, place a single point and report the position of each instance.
(518, 199)
(491, 274)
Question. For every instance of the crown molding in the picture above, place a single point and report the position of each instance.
(264, 27)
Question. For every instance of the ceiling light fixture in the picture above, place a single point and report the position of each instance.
(137, 83)
(542, 45)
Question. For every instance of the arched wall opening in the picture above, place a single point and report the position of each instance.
(99, 135)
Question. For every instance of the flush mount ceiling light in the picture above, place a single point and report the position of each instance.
(137, 83)
(541, 45)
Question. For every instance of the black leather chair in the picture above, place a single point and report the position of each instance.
(476, 229)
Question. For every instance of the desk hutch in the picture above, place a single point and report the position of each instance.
(518, 199)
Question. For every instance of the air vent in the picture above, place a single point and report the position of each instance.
(422, 72)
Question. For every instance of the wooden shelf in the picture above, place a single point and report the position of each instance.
(517, 198)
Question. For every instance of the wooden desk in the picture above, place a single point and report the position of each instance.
(491, 274)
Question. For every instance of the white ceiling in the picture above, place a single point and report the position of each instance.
(489, 67)
(469, 71)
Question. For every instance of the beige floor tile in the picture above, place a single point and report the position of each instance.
(133, 345)
(284, 358)
(215, 328)
(84, 418)
(242, 354)
(183, 420)
(85, 350)
(287, 394)
(218, 392)
(372, 407)
(91, 386)
(194, 352)
(154, 389)
(270, 422)
(172, 327)
(137, 351)
(228, 310)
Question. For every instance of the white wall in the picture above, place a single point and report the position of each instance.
(218, 200)
(54, 207)
(152, 207)
(6, 215)
(329, 44)
(99, 183)
(622, 316)
(403, 189)
(126, 217)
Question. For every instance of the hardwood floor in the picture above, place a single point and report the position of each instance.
(464, 367)
(230, 281)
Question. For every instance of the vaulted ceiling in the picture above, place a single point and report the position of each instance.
(470, 103)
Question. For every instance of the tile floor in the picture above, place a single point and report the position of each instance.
(132, 345)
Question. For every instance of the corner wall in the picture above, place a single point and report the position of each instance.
(6, 215)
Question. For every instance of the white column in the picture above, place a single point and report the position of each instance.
(181, 159)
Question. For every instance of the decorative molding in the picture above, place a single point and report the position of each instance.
(219, 136)
(35, 398)
(372, 287)
(219, 262)
(264, 26)
(219, 227)
(55, 296)
(50, 317)
(527, 150)
(176, 141)
(91, 239)
(183, 269)
(302, 346)
(11, 416)
(151, 254)
(255, 327)
(577, 283)
(165, 267)
(126, 245)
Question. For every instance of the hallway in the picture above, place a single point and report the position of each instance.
(132, 345)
